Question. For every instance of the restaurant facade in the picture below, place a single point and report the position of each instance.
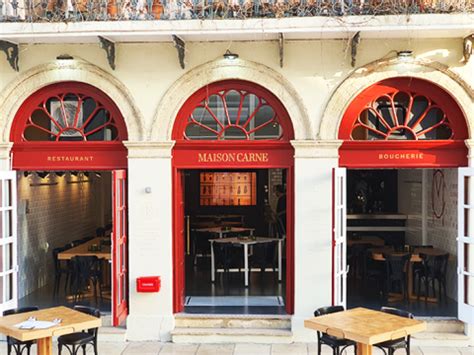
(323, 119)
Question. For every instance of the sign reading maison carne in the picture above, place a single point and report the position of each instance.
(233, 157)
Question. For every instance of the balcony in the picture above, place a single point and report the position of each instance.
(47, 11)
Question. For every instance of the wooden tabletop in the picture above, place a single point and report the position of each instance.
(83, 250)
(377, 253)
(72, 321)
(365, 326)
(246, 240)
(366, 240)
(224, 229)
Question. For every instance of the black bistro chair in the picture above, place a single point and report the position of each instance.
(87, 272)
(61, 267)
(337, 345)
(12, 343)
(401, 343)
(76, 341)
(397, 272)
(433, 268)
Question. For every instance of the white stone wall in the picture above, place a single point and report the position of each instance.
(50, 216)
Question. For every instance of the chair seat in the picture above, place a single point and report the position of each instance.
(335, 342)
(394, 344)
(75, 339)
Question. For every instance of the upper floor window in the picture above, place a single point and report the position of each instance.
(70, 112)
(233, 111)
(403, 109)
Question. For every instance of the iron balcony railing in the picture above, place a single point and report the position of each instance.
(110, 10)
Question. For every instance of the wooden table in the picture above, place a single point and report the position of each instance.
(377, 241)
(377, 254)
(246, 242)
(366, 327)
(221, 231)
(83, 250)
(72, 321)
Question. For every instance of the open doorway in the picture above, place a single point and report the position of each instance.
(401, 240)
(64, 238)
(235, 241)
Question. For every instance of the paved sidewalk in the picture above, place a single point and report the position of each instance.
(154, 348)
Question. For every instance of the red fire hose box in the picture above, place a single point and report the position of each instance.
(148, 284)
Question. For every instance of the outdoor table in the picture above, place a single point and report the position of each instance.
(246, 242)
(366, 327)
(83, 250)
(224, 230)
(377, 254)
(72, 321)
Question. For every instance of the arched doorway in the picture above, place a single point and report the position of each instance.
(402, 139)
(67, 138)
(230, 129)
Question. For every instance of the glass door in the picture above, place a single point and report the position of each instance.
(8, 241)
(119, 247)
(466, 245)
(339, 237)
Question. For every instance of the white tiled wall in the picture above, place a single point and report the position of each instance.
(50, 216)
(440, 232)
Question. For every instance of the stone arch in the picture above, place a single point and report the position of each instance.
(219, 70)
(364, 77)
(12, 97)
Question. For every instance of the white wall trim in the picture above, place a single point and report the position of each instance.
(317, 148)
(149, 149)
(222, 69)
(363, 77)
(28, 82)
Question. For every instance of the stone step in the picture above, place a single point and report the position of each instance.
(443, 325)
(231, 335)
(112, 334)
(441, 339)
(233, 321)
(106, 320)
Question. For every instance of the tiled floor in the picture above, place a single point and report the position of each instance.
(155, 348)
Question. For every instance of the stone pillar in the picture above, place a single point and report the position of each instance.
(5, 161)
(314, 161)
(150, 238)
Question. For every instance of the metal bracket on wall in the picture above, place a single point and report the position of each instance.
(354, 43)
(281, 42)
(180, 46)
(467, 47)
(11, 51)
(109, 47)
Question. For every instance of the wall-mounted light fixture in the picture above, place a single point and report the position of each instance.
(230, 56)
(405, 56)
(64, 57)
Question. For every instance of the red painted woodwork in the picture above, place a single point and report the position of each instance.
(250, 152)
(119, 248)
(50, 132)
(390, 135)
(178, 244)
(239, 121)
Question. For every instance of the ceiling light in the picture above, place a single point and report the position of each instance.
(64, 57)
(42, 174)
(405, 55)
(230, 56)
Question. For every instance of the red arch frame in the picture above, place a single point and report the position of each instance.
(61, 155)
(404, 153)
(208, 154)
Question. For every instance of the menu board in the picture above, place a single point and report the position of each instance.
(228, 189)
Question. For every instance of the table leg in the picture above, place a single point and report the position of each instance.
(246, 264)
(45, 346)
(213, 267)
(364, 349)
(279, 261)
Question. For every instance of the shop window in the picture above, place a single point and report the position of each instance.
(402, 116)
(233, 114)
(70, 112)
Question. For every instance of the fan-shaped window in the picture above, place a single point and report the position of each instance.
(233, 112)
(70, 112)
(402, 116)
